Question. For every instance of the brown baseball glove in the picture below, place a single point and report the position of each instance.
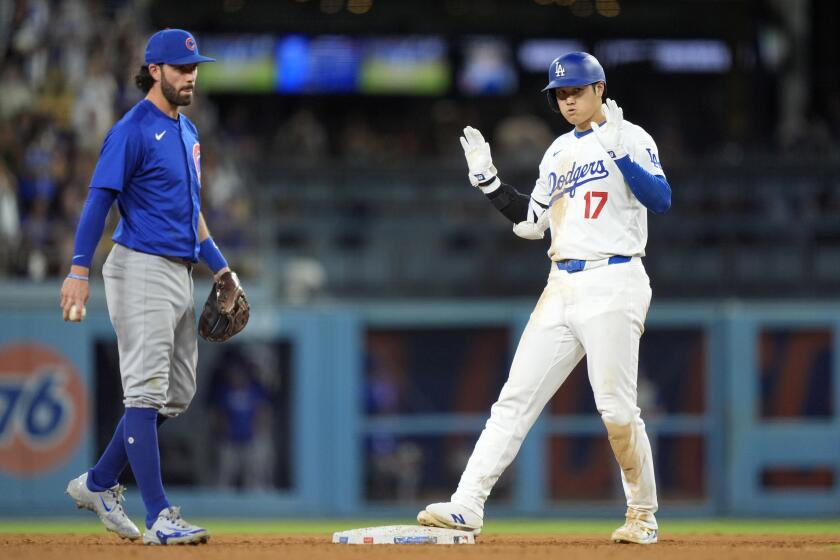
(226, 310)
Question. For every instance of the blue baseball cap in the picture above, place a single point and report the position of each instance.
(174, 46)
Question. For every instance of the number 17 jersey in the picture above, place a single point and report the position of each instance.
(593, 214)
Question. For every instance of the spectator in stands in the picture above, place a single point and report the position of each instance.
(9, 217)
(521, 134)
(302, 138)
(246, 449)
(394, 463)
(17, 96)
(93, 108)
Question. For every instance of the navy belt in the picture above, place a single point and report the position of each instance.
(576, 265)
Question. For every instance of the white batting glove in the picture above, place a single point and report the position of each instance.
(532, 230)
(477, 152)
(609, 135)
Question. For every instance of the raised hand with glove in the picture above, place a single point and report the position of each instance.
(653, 191)
(609, 133)
(477, 151)
(510, 202)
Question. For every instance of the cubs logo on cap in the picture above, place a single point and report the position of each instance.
(174, 46)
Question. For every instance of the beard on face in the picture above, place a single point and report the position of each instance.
(171, 94)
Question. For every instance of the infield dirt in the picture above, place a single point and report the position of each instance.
(565, 547)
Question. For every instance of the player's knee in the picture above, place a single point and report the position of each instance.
(616, 407)
(618, 415)
(620, 436)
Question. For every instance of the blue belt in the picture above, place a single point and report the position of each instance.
(576, 265)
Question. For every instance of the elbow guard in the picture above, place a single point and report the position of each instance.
(510, 202)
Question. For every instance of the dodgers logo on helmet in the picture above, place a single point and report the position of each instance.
(43, 409)
(574, 69)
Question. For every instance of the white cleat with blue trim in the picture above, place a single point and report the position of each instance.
(170, 528)
(106, 505)
(449, 515)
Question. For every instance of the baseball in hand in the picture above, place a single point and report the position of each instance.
(74, 313)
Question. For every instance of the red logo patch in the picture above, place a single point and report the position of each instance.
(43, 409)
(368, 540)
(190, 42)
(197, 160)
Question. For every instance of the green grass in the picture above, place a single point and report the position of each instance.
(501, 526)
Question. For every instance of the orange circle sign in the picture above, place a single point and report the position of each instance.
(43, 409)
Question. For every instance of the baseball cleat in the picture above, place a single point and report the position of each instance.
(636, 532)
(106, 505)
(170, 528)
(449, 515)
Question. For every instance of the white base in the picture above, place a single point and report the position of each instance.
(403, 534)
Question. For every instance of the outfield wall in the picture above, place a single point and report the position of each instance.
(372, 409)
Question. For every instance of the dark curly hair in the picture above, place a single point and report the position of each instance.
(144, 80)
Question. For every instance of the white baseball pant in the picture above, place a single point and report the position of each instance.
(599, 313)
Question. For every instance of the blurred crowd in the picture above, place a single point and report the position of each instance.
(66, 75)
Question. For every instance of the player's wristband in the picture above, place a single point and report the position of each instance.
(78, 277)
(618, 152)
(209, 252)
(490, 185)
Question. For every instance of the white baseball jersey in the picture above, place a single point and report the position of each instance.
(593, 213)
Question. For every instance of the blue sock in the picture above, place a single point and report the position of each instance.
(107, 470)
(141, 445)
(106, 473)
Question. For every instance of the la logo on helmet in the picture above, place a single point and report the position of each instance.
(559, 71)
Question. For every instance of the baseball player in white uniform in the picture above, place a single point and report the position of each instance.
(595, 186)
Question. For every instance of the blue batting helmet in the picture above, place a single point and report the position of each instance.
(572, 70)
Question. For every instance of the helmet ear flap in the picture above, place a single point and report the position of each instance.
(552, 101)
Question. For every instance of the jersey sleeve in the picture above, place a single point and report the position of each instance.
(119, 158)
(645, 153)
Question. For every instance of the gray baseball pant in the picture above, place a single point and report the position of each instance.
(150, 302)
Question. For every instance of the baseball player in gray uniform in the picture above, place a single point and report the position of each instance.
(149, 164)
(595, 186)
